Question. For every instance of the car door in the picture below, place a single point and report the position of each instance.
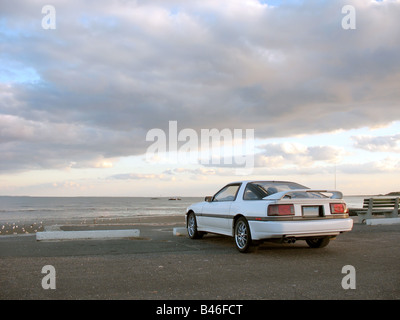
(216, 216)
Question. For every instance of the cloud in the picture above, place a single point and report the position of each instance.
(280, 155)
(274, 159)
(32, 144)
(388, 143)
(388, 165)
(141, 176)
(202, 171)
(112, 70)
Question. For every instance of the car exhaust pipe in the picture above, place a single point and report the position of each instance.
(289, 240)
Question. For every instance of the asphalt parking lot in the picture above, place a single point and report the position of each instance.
(159, 265)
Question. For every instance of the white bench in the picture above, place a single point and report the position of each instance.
(372, 206)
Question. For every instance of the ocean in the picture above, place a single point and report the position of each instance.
(27, 209)
(70, 208)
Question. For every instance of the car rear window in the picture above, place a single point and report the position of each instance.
(259, 189)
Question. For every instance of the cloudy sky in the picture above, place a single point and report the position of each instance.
(82, 87)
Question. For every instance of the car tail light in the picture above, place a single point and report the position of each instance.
(281, 210)
(338, 208)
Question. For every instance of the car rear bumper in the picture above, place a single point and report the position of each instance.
(310, 228)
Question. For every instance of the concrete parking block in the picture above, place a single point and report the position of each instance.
(90, 234)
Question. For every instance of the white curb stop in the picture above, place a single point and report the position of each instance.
(179, 231)
(386, 221)
(90, 234)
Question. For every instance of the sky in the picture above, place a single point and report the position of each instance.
(91, 91)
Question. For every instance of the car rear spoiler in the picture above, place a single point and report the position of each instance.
(280, 195)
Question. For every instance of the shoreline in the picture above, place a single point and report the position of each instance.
(8, 228)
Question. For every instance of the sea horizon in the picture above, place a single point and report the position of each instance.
(91, 208)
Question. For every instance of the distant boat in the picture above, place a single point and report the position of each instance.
(174, 198)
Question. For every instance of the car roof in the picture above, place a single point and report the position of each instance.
(259, 180)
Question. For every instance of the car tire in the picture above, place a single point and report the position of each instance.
(191, 227)
(242, 235)
(318, 242)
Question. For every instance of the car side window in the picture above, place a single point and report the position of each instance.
(227, 194)
(250, 195)
(253, 192)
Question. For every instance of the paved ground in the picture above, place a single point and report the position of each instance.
(159, 265)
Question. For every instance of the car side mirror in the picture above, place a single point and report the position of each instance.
(208, 198)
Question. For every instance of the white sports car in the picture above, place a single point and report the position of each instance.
(253, 211)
